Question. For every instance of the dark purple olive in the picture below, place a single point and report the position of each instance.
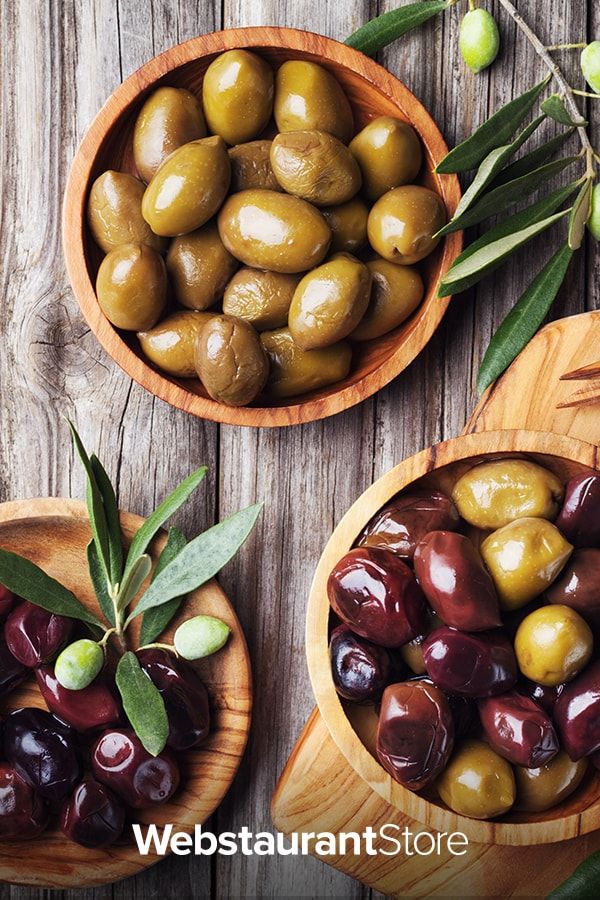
(578, 585)
(184, 694)
(360, 669)
(95, 706)
(455, 581)
(401, 524)
(121, 763)
(12, 673)
(579, 518)
(463, 709)
(518, 729)
(377, 595)
(44, 752)
(544, 695)
(7, 601)
(577, 713)
(23, 815)
(415, 734)
(477, 665)
(92, 816)
(35, 636)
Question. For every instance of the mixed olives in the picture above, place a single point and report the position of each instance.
(263, 234)
(469, 619)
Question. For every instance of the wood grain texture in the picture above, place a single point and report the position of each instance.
(60, 61)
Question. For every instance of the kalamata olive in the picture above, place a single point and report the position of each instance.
(360, 669)
(578, 585)
(92, 816)
(477, 665)
(7, 599)
(477, 782)
(545, 786)
(463, 709)
(184, 694)
(579, 518)
(23, 815)
(518, 729)
(543, 694)
(96, 706)
(415, 735)
(121, 763)
(553, 644)
(377, 595)
(405, 521)
(455, 581)
(44, 752)
(577, 713)
(12, 672)
(34, 635)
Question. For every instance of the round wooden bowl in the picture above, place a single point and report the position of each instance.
(352, 727)
(54, 533)
(107, 144)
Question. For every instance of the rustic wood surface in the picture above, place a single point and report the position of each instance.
(60, 60)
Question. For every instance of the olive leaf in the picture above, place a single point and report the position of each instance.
(494, 132)
(199, 560)
(580, 214)
(390, 26)
(533, 160)
(156, 620)
(27, 580)
(113, 522)
(143, 704)
(524, 319)
(133, 581)
(554, 107)
(582, 883)
(95, 506)
(99, 582)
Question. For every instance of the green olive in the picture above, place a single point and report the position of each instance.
(329, 302)
(294, 371)
(261, 298)
(308, 97)
(78, 664)
(199, 267)
(200, 636)
(493, 494)
(389, 154)
(114, 213)
(171, 344)
(169, 118)
(316, 166)
(131, 287)
(477, 782)
(396, 292)
(231, 361)
(590, 65)
(540, 789)
(479, 39)
(238, 95)
(593, 222)
(267, 230)
(553, 644)
(403, 223)
(188, 188)
(348, 223)
(251, 167)
(523, 558)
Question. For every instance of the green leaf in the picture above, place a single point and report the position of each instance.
(143, 704)
(111, 510)
(156, 620)
(167, 508)
(582, 209)
(27, 580)
(98, 580)
(133, 581)
(497, 130)
(532, 161)
(385, 29)
(465, 274)
(583, 883)
(199, 560)
(554, 107)
(95, 505)
(524, 319)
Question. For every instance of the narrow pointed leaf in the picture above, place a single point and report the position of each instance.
(134, 580)
(554, 107)
(99, 582)
(95, 506)
(199, 560)
(532, 161)
(390, 26)
(497, 130)
(580, 214)
(583, 883)
(524, 319)
(143, 704)
(156, 620)
(111, 510)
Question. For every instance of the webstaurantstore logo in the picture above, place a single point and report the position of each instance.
(388, 840)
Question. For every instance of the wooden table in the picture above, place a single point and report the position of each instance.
(60, 60)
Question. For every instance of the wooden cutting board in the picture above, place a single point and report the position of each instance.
(320, 791)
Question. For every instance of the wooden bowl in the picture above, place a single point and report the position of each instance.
(54, 533)
(107, 144)
(352, 727)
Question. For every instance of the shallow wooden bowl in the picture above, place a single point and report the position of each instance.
(372, 91)
(54, 534)
(352, 727)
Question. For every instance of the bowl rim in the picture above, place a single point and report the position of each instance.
(485, 443)
(74, 224)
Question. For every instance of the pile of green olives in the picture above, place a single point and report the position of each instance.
(471, 620)
(263, 235)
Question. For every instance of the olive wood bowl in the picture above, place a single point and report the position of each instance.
(54, 534)
(352, 727)
(372, 92)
